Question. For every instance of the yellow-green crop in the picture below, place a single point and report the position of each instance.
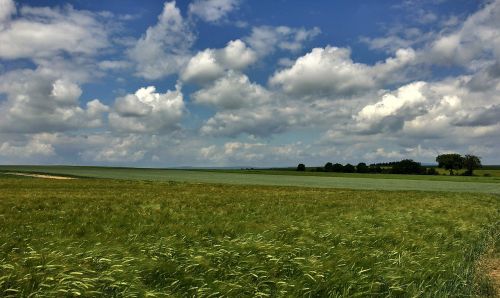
(105, 237)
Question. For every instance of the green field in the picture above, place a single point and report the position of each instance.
(280, 178)
(234, 233)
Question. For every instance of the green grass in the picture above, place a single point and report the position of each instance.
(495, 175)
(104, 237)
(460, 184)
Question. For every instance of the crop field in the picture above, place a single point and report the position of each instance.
(136, 238)
(279, 178)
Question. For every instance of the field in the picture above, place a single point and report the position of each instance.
(280, 178)
(143, 235)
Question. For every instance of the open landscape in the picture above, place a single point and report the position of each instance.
(156, 233)
(237, 148)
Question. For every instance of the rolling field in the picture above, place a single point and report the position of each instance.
(279, 178)
(105, 237)
(155, 232)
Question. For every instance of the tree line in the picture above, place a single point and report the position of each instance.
(449, 162)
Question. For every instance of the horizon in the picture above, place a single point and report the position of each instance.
(221, 83)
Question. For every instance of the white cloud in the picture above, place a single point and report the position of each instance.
(115, 65)
(46, 32)
(120, 149)
(147, 111)
(164, 48)
(331, 72)
(36, 146)
(234, 91)
(393, 109)
(324, 71)
(236, 55)
(266, 39)
(241, 153)
(477, 38)
(66, 92)
(37, 102)
(7, 9)
(203, 67)
(265, 120)
(212, 10)
(211, 64)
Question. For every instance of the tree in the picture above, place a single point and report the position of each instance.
(431, 171)
(470, 163)
(348, 168)
(452, 161)
(362, 168)
(406, 166)
(338, 168)
(328, 167)
(301, 167)
(374, 168)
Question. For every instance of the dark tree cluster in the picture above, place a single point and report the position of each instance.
(349, 168)
(406, 166)
(455, 161)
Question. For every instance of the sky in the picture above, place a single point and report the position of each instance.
(239, 83)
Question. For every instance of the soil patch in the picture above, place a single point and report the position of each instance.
(42, 176)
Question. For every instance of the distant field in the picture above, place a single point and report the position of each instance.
(478, 175)
(356, 181)
(105, 237)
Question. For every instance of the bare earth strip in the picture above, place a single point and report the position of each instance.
(494, 274)
(42, 176)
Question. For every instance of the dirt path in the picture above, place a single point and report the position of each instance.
(42, 176)
(494, 274)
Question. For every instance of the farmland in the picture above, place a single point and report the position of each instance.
(151, 232)
(279, 178)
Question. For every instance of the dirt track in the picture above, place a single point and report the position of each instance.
(42, 176)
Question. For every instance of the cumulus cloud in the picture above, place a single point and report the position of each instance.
(393, 109)
(120, 149)
(252, 153)
(147, 111)
(164, 48)
(448, 108)
(46, 32)
(330, 71)
(265, 120)
(480, 116)
(7, 9)
(36, 146)
(477, 38)
(40, 103)
(234, 91)
(212, 10)
(114, 65)
(267, 39)
(211, 64)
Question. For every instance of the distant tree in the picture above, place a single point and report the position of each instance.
(452, 161)
(348, 168)
(338, 168)
(375, 168)
(431, 171)
(406, 166)
(328, 167)
(362, 168)
(301, 167)
(471, 162)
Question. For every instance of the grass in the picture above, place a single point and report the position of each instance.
(478, 174)
(360, 181)
(104, 237)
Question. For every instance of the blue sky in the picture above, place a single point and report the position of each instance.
(247, 83)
